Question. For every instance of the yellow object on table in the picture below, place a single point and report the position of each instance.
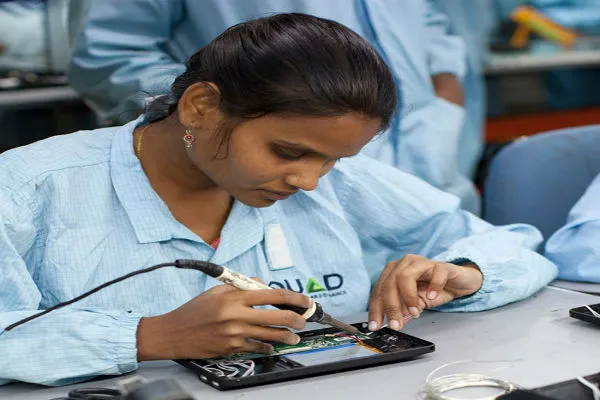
(529, 20)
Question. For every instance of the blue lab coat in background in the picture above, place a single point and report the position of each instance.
(575, 248)
(473, 21)
(130, 50)
(23, 34)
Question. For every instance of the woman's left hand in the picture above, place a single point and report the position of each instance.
(408, 286)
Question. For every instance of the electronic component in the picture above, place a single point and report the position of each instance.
(581, 388)
(588, 313)
(319, 352)
(319, 342)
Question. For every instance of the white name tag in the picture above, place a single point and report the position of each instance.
(278, 252)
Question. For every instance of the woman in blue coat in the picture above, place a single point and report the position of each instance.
(574, 247)
(250, 161)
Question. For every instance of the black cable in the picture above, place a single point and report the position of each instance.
(184, 264)
(93, 394)
(161, 389)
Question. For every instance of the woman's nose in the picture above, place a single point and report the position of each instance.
(307, 176)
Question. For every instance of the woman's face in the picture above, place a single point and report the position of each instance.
(271, 157)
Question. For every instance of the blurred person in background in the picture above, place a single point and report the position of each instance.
(473, 21)
(575, 247)
(130, 51)
(22, 39)
(22, 54)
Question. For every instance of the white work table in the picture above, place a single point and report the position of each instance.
(583, 287)
(546, 56)
(531, 343)
(28, 98)
(512, 63)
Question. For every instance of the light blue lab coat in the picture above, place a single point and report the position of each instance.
(78, 210)
(473, 21)
(130, 50)
(575, 248)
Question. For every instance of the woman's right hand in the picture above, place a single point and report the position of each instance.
(221, 321)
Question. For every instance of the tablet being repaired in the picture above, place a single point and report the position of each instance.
(319, 352)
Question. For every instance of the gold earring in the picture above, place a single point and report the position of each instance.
(188, 138)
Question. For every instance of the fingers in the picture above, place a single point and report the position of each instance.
(392, 305)
(221, 289)
(406, 283)
(284, 318)
(287, 319)
(251, 338)
(376, 309)
(278, 335)
(387, 302)
(252, 346)
(415, 272)
(405, 289)
(237, 305)
(238, 334)
(437, 281)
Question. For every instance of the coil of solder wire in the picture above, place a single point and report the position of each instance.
(435, 388)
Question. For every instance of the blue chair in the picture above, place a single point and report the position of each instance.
(537, 180)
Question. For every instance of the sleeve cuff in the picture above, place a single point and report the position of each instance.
(456, 69)
(124, 339)
(491, 279)
(448, 55)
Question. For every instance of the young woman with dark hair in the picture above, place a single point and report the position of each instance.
(249, 162)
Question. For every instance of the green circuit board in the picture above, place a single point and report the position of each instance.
(308, 344)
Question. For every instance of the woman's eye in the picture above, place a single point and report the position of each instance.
(288, 154)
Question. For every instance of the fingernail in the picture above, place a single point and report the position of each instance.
(414, 311)
(295, 339)
(395, 325)
(432, 295)
(373, 326)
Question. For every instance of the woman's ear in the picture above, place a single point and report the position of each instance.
(199, 102)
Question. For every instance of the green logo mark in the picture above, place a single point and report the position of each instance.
(313, 286)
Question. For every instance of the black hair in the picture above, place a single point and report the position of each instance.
(292, 64)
